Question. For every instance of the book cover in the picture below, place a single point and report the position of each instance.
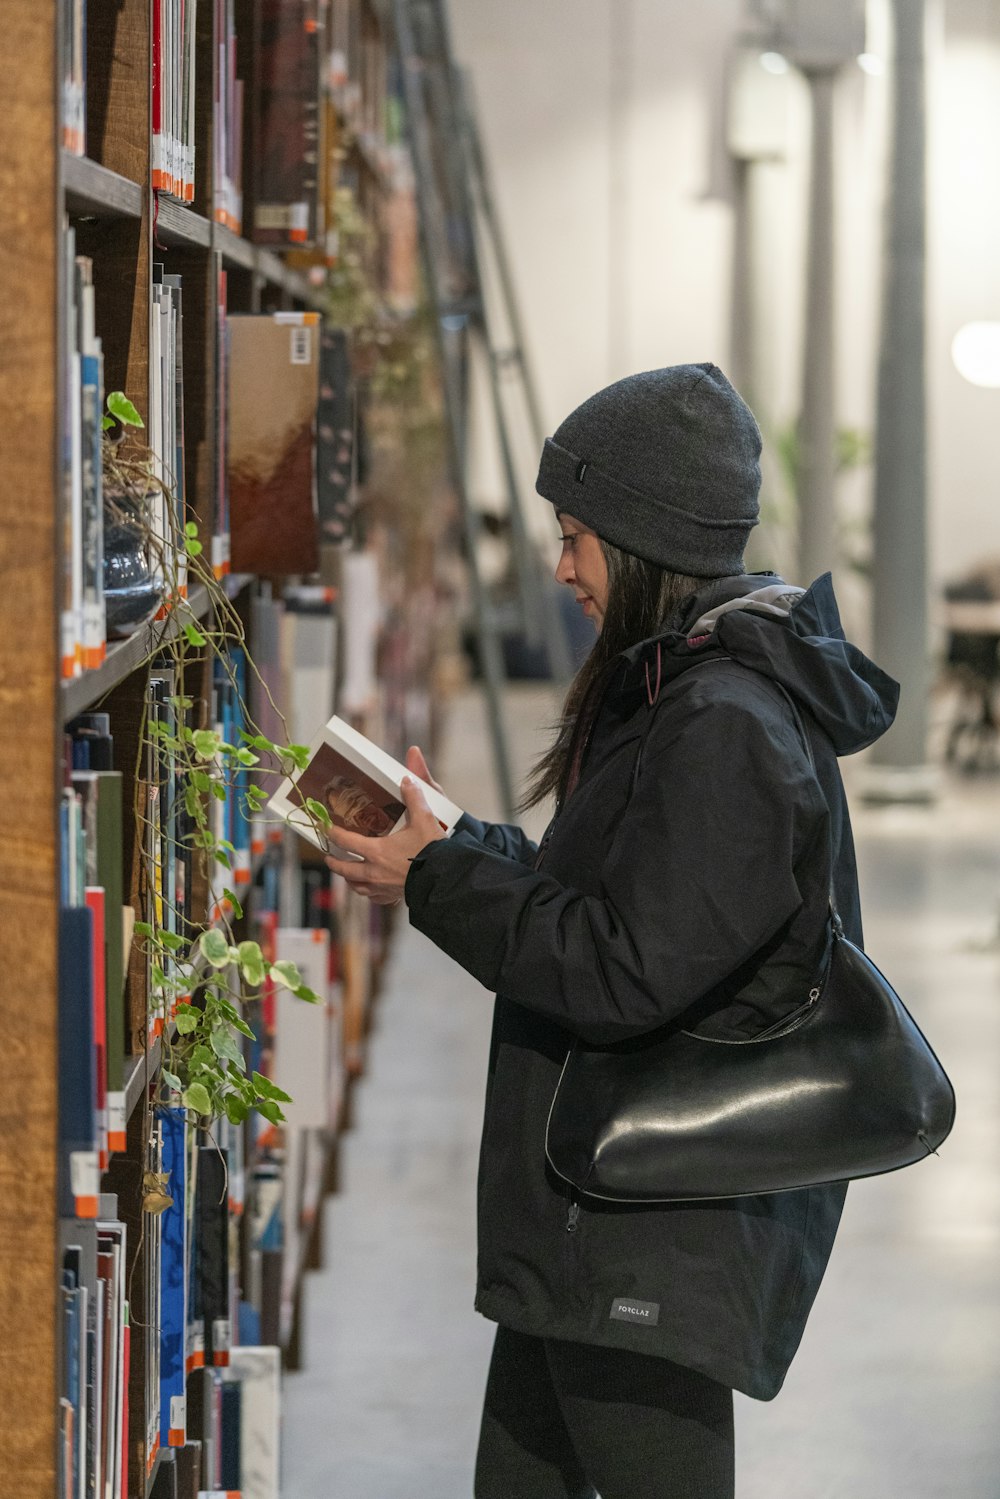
(231, 1397)
(357, 783)
(273, 385)
(173, 1287)
(94, 897)
(212, 1228)
(79, 1171)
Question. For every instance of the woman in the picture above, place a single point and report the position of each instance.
(685, 875)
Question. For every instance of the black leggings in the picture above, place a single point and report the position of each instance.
(568, 1420)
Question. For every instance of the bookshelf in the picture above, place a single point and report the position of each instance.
(168, 265)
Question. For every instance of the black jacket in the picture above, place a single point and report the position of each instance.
(689, 880)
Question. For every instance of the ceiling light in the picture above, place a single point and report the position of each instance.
(976, 352)
(773, 62)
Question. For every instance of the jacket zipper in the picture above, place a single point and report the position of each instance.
(573, 1217)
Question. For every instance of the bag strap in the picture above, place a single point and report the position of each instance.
(793, 706)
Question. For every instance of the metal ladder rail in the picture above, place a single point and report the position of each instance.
(443, 307)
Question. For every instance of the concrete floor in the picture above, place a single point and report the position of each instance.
(895, 1393)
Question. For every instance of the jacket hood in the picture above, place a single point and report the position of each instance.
(792, 635)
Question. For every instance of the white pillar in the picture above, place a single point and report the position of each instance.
(900, 575)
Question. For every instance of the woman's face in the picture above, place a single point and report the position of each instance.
(582, 567)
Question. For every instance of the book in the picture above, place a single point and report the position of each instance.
(358, 783)
(273, 364)
(173, 1281)
(172, 97)
(335, 489)
(227, 139)
(79, 1170)
(285, 126)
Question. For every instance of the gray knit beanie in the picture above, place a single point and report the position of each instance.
(664, 465)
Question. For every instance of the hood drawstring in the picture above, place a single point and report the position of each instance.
(652, 696)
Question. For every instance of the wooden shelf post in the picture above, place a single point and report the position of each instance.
(29, 674)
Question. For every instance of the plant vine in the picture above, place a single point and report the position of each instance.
(201, 979)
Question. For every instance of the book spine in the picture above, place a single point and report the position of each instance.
(157, 150)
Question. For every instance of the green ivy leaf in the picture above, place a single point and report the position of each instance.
(187, 1021)
(171, 1079)
(310, 996)
(172, 940)
(287, 974)
(227, 894)
(207, 743)
(190, 528)
(197, 1097)
(246, 757)
(122, 409)
(143, 929)
(236, 1109)
(270, 1110)
(214, 948)
(320, 812)
(251, 963)
(225, 1045)
(194, 636)
(106, 422)
(202, 1056)
(193, 549)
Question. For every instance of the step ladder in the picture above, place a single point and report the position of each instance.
(476, 319)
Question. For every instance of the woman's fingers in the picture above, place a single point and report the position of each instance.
(355, 843)
(416, 763)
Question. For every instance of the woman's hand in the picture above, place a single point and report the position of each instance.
(387, 860)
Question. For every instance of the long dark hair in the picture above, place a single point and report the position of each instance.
(642, 597)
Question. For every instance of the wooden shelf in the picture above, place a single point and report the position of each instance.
(81, 693)
(91, 191)
(173, 224)
(179, 227)
(157, 1460)
(137, 1070)
(234, 250)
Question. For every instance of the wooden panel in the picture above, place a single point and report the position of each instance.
(120, 251)
(118, 78)
(29, 302)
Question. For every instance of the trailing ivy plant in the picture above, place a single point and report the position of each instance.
(200, 979)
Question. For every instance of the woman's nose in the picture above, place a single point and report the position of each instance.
(564, 569)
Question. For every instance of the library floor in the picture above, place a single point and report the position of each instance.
(896, 1389)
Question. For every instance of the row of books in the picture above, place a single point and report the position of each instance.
(74, 77)
(94, 1365)
(166, 422)
(211, 1401)
(82, 631)
(173, 97)
(94, 604)
(94, 939)
(227, 123)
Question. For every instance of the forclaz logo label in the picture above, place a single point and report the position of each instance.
(627, 1309)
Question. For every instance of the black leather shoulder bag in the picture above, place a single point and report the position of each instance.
(844, 1086)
